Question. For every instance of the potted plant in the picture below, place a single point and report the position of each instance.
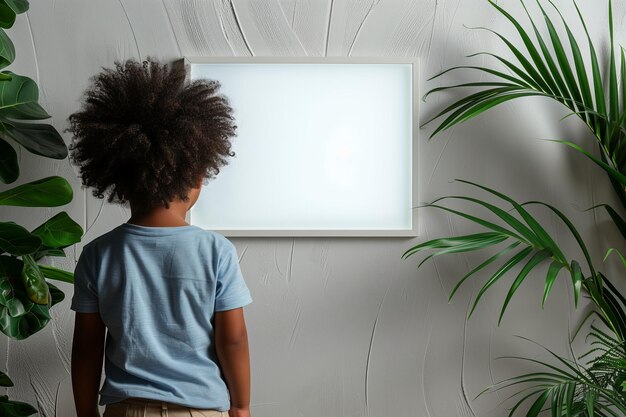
(26, 295)
(596, 387)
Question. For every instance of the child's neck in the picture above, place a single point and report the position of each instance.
(161, 216)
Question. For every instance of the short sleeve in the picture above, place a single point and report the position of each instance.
(85, 299)
(231, 289)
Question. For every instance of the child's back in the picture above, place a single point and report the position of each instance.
(156, 289)
(170, 294)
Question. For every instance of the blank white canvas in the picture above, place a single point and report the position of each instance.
(319, 147)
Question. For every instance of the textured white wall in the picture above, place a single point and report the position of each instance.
(339, 326)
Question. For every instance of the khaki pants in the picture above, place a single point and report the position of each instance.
(137, 407)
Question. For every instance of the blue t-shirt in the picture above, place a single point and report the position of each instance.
(156, 289)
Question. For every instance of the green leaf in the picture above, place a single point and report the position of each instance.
(10, 268)
(481, 222)
(24, 111)
(610, 170)
(613, 93)
(22, 327)
(590, 398)
(525, 234)
(611, 307)
(522, 400)
(481, 266)
(59, 231)
(453, 242)
(488, 71)
(13, 304)
(18, 98)
(535, 260)
(596, 77)
(572, 366)
(524, 79)
(607, 313)
(465, 103)
(577, 279)
(468, 245)
(9, 168)
(611, 290)
(34, 282)
(557, 400)
(562, 59)
(16, 409)
(38, 138)
(543, 77)
(486, 105)
(623, 72)
(7, 50)
(571, 389)
(5, 381)
(18, 6)
(51, 191)
(553, 272)
(581, 71)
(573, 230)
(608, 252)
(7, 16)
(535, 409)
(56, 294)
(538, 82)
(32, 318)
(16, 240)
(477, 84)
(51, 272)
(611, 140)
(617, 219)
(46, 251)
(560, 92)
(543, 236)
(517, 258)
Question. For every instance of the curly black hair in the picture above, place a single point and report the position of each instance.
(146, 135)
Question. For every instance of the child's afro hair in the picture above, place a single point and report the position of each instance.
(147, 135)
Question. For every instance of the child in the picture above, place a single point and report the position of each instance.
(169, 294)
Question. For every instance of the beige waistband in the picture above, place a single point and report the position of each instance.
(156, 404)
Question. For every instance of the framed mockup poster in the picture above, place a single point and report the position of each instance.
(325, 146)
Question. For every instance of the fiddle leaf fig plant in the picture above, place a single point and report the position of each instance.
(542, 68)
(26, 295)
(13, 408)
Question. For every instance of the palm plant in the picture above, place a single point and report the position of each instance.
(571, 86)
(25, 294)
(527, 244)
(570, 388)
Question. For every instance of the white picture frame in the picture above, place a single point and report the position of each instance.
(247, 204)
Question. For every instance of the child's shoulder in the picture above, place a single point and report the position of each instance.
(95, 241)
(192, 235)
(216, 238)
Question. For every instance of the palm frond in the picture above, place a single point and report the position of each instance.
(557, 78)
(569, 389)
(519, 230)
